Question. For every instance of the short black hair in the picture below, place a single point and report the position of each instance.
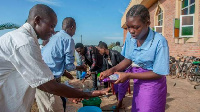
(139, 10)
(40, 10)
(68, 22)
(100, 41)
(118, 43)
(103, 45)
(79, 45)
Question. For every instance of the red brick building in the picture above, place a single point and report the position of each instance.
(177, 20)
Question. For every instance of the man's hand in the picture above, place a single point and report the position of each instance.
(88, 75)
(84, 67)
(75, 100)
(81, 68)
(68, 75)
(59, 89)
(100, 92)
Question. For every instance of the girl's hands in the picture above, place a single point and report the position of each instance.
(106, 74)
(122, 77)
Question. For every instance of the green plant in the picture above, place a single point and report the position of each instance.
(8, 26)
(110, 46)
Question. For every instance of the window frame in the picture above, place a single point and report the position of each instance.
(180, 32)
(188, 7)
(174, 20)
(156, 27)
(158, 16)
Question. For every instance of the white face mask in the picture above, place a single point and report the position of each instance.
(40, 41)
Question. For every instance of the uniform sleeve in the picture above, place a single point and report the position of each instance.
(161, 63)
(28, 61)
(125, 50)
(94, 59)
(69, 50)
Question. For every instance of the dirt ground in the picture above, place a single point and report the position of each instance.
(180, 98)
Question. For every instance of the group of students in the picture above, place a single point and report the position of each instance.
(99, 59)
(24, 67)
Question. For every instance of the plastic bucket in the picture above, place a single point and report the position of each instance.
(96, 101)
(89, 109)
(196, 63)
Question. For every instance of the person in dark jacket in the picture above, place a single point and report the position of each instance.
(93, 58)
(112, 58)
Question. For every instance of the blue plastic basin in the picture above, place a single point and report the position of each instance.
(89, 109)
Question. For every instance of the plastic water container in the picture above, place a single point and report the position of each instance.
(98, 74)
(89, 109)
(83, 74)
(95, 101)
(111, 78)
(98, 82)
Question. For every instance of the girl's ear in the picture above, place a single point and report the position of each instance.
(148, 22)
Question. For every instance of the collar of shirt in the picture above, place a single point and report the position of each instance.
(61, 34)
(64, 32)
(30, 29)
(147, 43)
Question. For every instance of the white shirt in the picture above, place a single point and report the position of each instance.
(21, 69)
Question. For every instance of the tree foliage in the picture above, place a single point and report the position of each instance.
(8, 26)
(110, 46)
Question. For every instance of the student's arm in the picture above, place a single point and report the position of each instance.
(150, 75)
(94, 59)
(62, 90)
(68, 50)
(104, 65)
(28, 61)
(81, 68)
(68, 75)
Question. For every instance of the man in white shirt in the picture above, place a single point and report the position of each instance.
(22, 69)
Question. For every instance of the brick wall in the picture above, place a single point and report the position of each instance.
(187, 49)
(125, 33)
(169, 8)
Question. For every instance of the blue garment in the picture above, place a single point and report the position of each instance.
(79, 63)
(152, 55)
(58, 54)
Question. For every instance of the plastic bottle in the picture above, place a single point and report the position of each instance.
(98, 74)
(111, 78)
(83, 74)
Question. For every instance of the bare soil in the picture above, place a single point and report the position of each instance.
(181, 97)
